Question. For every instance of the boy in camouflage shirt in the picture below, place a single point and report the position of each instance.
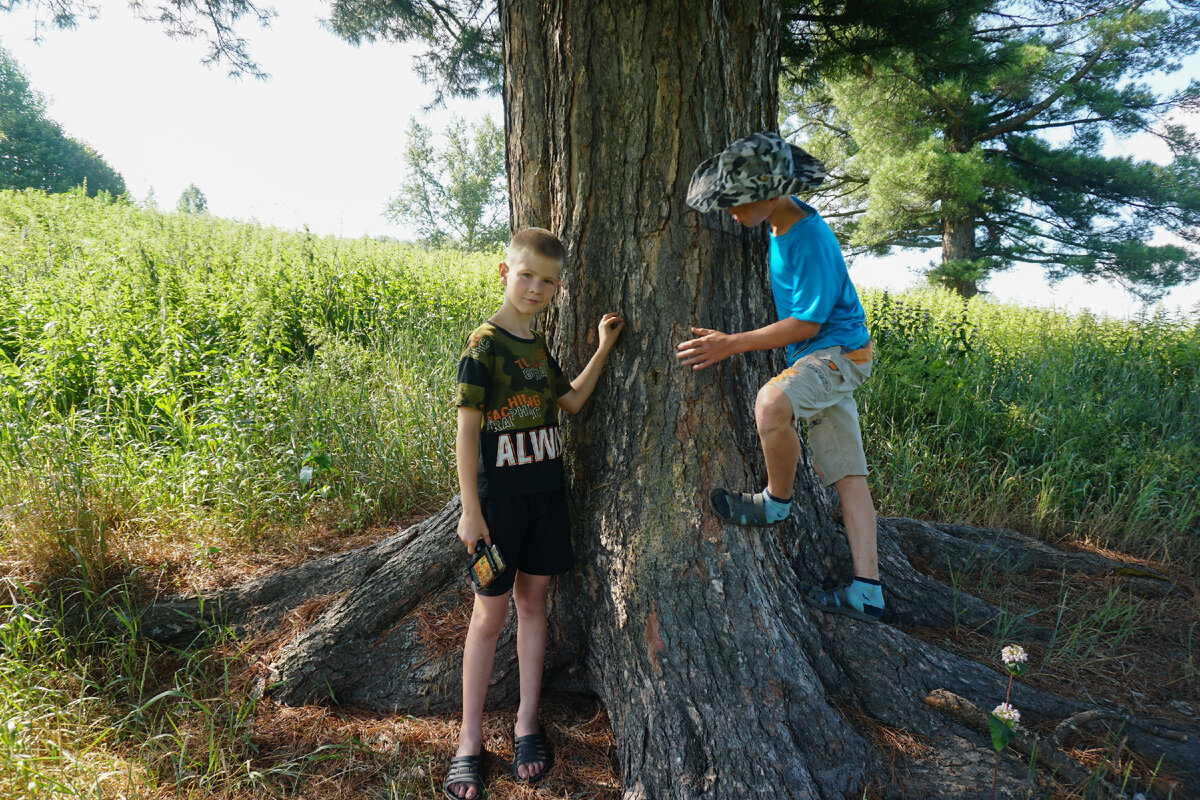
(513, 493)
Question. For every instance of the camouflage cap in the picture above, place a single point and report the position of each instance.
(756, 167)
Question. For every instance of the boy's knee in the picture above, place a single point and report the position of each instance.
(530, 597)
(531, 605)
(773, 409)
(488, 615)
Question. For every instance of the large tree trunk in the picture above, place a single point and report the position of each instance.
(957, 270)
(719, 682)
(690, 624)
(958, 239)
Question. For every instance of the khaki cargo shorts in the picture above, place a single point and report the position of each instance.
(821, 388)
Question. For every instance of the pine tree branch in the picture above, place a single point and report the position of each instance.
(1032, 26)
(1014, 124)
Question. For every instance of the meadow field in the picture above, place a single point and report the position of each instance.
(185, 400)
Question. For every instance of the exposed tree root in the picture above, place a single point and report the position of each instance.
(1075, 722)
(375, 634)
(1045, 754)
(961, 548)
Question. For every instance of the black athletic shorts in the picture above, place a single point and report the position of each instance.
(533, 532)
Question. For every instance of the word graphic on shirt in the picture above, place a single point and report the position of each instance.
(519, 406)
(515, 383)
(531, 371)
(528, 447)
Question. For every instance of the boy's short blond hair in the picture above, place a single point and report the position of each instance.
(539, 241)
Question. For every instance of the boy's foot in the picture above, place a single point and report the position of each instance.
(464, 780)
(753, 510)
(862, 599)
(530, 752)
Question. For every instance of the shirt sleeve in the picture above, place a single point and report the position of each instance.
(475, 373)
(558, 379)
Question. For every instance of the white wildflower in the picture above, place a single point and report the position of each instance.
(1014, 654)
(1007, 713)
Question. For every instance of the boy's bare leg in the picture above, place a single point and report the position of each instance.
(858, 515)
(529, 591)
(479, 652)
(780, 442)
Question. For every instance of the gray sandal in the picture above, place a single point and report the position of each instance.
(466, 770)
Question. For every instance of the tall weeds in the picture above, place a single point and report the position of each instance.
(1071, 426)
(176, 377)
(172, 386)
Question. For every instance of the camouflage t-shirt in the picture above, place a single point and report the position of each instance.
(515, 383)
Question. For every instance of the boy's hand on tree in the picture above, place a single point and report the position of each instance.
(610, 328)
(711, 347)
(472, 528)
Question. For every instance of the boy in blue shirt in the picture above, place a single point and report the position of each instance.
(510, 473)
(829, 353)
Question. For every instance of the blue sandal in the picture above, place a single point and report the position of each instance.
(740, 508)
(835, 601)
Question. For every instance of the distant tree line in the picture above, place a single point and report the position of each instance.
(34, 151)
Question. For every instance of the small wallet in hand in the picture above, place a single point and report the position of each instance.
(486, 565)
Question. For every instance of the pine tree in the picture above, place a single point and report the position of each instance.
(992, 146)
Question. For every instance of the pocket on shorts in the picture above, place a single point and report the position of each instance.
(852, 372)
(842, 373)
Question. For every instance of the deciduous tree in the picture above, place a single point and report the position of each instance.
(34, 151)
(192, 200)
(456, 192)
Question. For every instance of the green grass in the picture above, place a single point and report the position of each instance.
(172, 377)
(90, 709)
(173, 389)
(1069, 426)
(54, 735)
(177, 390)
(182, 377)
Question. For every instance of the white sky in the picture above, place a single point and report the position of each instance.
(321, 142)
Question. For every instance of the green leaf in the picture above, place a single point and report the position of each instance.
(1001, 733)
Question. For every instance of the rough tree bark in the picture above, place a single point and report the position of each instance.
(958, 229)
(958, 245)
(719, 682)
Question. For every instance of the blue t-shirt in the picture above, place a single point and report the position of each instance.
(810, 283)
